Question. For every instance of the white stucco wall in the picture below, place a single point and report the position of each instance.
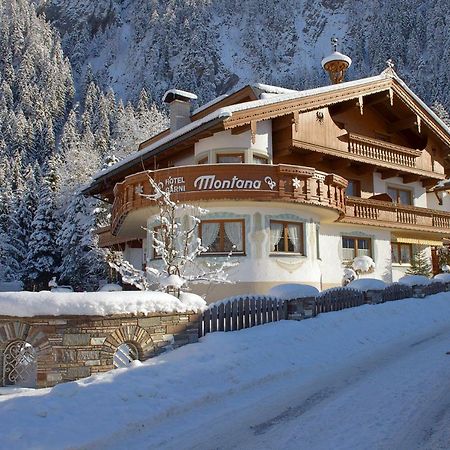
(331, 251)
(433, 202)
(419, 193)
(259, 265)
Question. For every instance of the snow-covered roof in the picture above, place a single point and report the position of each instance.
(282, 96)
(210, 103)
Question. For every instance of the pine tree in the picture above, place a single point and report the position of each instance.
(82, 264)
(42, 258)
(420, 265)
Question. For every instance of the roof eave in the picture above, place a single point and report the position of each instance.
(99, 183)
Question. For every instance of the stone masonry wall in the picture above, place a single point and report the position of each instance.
(72, 347)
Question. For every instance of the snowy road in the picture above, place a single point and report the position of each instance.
(398, 399)
(372, 377)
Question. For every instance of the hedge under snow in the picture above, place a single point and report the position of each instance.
(46, 303)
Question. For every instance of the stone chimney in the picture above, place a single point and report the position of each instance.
(180, 107)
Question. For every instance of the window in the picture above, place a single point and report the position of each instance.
(223, 236)
(230, 158)
(353, 188)
(401, 196)
(355, 246)
(286, 237)
(259, 159)
(401, 253)
(203, 160)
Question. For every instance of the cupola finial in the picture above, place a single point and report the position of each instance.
(336, 64)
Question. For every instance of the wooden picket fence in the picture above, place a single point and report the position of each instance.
(240, 313)
(246, 312)
(396, 291)
(337, 299)
(433, 288)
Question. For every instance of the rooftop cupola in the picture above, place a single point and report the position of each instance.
(336, 64)
(180, 107)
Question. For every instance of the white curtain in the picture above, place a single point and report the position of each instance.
(234, 232)
(210, 231)
(276, 230)
(293, 235)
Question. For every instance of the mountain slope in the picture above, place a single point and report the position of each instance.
(211, 46)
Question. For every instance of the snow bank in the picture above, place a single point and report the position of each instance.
(367, 284)
(415, 280)
(29, 304)
(444, 277)
(290, 291)
(220, 378)
(110, 287)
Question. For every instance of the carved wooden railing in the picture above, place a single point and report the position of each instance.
(382, 151)
(392, 215)
(257, 182)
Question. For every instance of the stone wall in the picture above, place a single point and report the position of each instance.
(71, 347)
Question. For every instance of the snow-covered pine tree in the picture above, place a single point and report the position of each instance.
(21, 220)
(420, 264)
(82, 264)
(42, 259)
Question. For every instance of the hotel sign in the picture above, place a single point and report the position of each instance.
(213, 183)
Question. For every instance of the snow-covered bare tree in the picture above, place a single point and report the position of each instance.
(177, 245)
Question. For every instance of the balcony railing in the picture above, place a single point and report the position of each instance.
(382, 151)
(256, 182)
(392, 215)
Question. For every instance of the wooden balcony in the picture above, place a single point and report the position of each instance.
(253, 182)
(391, 215)
(382, 151)
(385, 157)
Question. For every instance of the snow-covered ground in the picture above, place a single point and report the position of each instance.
(372, 377)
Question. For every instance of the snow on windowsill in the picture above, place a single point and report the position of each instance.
(46, 303)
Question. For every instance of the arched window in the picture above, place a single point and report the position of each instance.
(125, 354)
(19, 364)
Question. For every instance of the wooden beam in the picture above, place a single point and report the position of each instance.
(253, 130)
(428, 182)
(402, 124)
(362, 169)
(342, 163)
(240, 130)
(410, 178)
(313, 158)
(388, 173)
(376, 99)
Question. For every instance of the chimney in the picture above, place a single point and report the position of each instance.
(180, 107)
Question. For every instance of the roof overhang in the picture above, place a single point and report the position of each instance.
(142, 160)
